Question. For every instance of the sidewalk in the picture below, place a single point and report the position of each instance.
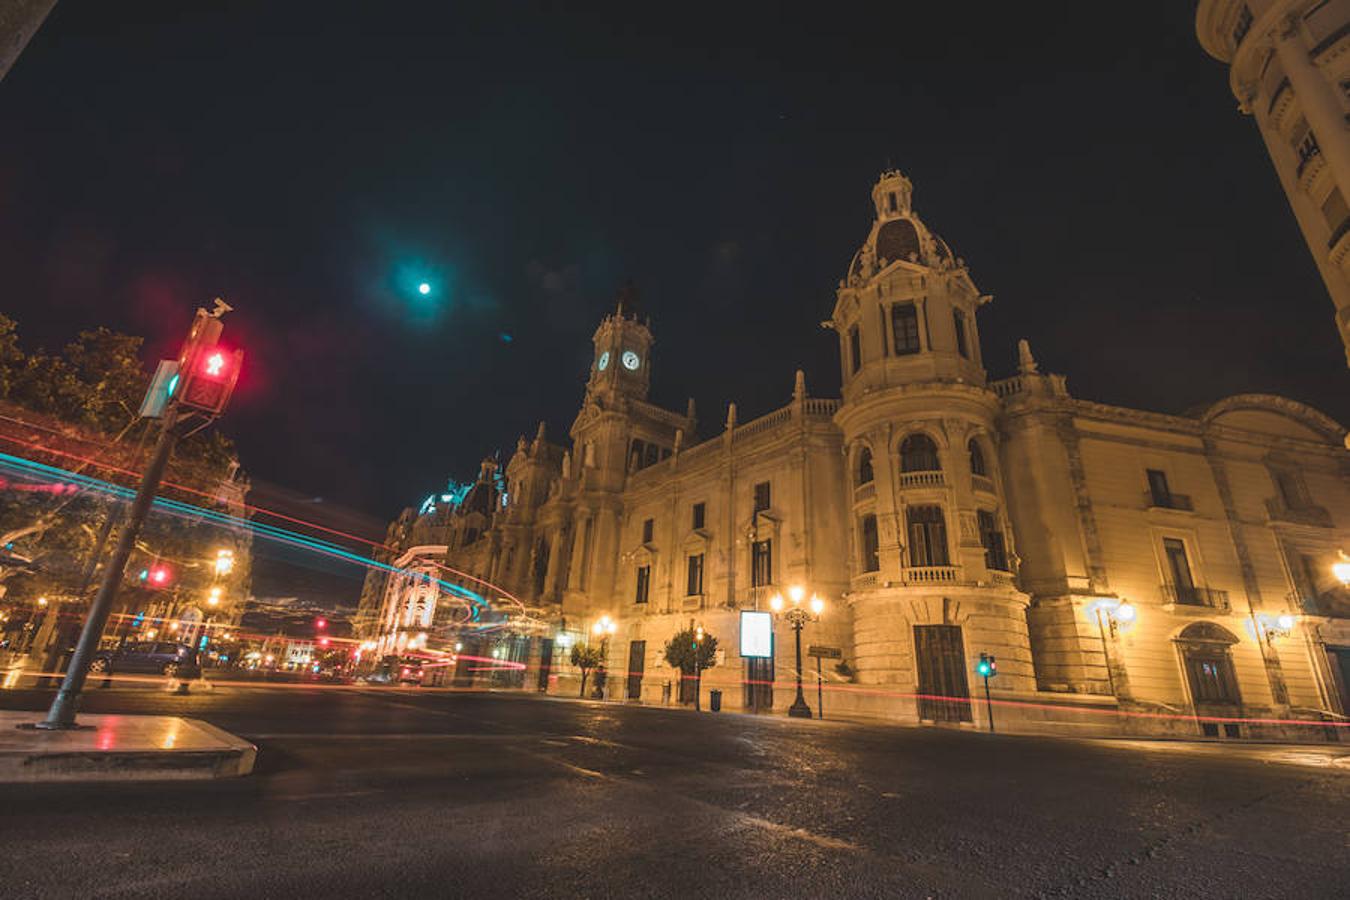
(120, 748)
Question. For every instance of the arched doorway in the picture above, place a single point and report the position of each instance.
(1207, 659)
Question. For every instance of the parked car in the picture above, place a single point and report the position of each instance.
(154, 657)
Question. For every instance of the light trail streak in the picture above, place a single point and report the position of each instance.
(270, 532)
(249, 508)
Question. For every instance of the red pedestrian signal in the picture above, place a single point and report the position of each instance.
(208, 372)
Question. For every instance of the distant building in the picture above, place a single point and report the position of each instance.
(1289, 67)
(1110, 559)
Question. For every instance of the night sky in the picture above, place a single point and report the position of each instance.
(314, 162)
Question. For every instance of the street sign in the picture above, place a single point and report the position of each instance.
(824, 652)
(756, 634)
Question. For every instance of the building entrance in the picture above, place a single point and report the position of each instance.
(637, 663)
(941, 662)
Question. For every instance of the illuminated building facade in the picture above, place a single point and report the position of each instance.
(1109, 559)
(1289, 67)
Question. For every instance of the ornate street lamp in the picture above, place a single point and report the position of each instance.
(1341, 569)
(797, 616)
(604, 627)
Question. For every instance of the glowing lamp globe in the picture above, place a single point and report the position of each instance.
(424, 289)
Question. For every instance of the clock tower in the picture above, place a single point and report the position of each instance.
(621, 366)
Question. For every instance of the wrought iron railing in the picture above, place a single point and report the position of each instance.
(1192, 595)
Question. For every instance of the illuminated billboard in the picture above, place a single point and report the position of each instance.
(756, 634)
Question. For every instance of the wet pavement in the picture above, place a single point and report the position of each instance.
(384, 792)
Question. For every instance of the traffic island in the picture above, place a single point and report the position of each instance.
(120, 748)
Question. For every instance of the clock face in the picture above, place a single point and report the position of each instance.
(631, 360)
(603, 364)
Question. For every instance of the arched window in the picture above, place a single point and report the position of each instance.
(865, 466)
(919, 454)
(977, 466)
(927, 536)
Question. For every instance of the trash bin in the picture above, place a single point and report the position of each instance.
(715, 701)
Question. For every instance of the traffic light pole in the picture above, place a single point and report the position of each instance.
(62, 713)
(988, 703)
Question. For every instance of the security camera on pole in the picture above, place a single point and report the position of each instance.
(186, 395)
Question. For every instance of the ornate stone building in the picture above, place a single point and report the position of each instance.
(1128, 570)
(1289, 67)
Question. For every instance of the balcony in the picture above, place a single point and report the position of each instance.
(1308, 514)
(865, 581)
(1154, 500)
(1208, 598)
(981, 483)
(864, 492)
(929, 575)
(922, 479)
(1002, 579)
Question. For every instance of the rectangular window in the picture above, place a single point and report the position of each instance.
(1290, 488)
(644, 580)
(871, 560)
(762, 497)
(1179, 567)
(1157, 487)
(700, 515)
(991, 538)
(854, 349)
(653, 455)
(927, 536)
(905, 328)
(885, 345)
(648, 528)
(959, 321)
(761, 563)
(694, 581)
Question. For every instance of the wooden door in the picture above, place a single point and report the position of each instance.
(545, 662)
(941, 662)
(637, 662)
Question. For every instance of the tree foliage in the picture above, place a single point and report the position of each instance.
(585, 658)
(77, 410)
(682, 653)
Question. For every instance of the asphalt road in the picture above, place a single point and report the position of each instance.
(396, 793)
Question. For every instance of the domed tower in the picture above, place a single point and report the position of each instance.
(932, 569)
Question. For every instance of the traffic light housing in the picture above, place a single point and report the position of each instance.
(207, 371)
(987, 667)
(158, 576)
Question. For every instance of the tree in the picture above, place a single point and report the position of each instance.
(585, 658)
(683, 652)
(78, 410)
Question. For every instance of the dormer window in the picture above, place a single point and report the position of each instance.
(855, 349)
(890, 202)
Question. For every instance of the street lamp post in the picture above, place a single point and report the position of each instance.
(698, 669)
(604, 628)
(798, 616)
